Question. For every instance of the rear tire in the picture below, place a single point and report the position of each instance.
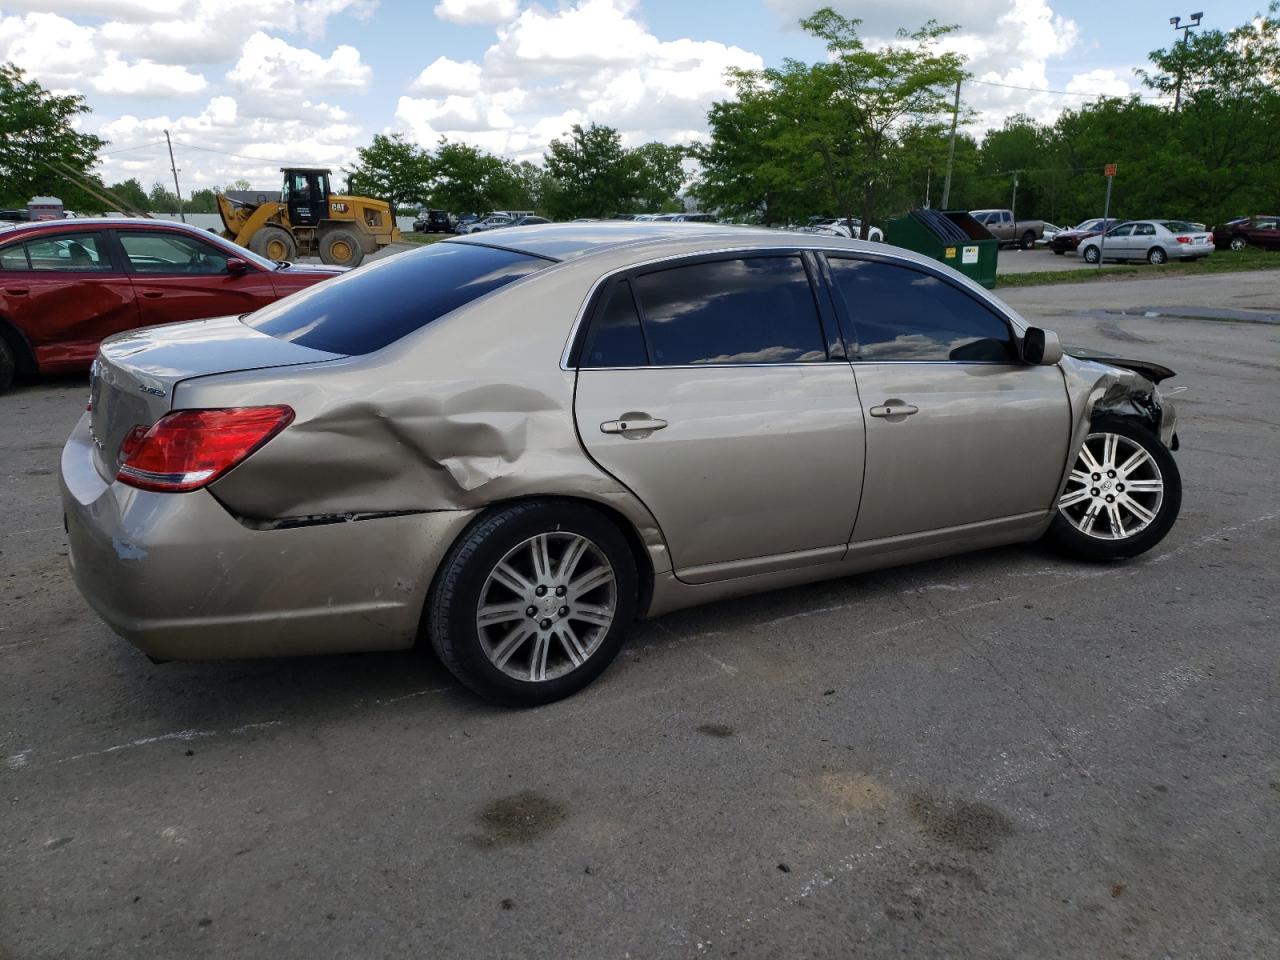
(8, 364)
(274, 243)
(1092, 255)
(1149, 512)
(341, 248)
(1156, 256)
(1027, 241)
(478, 614)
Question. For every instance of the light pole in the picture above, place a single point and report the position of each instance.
(1186, 28)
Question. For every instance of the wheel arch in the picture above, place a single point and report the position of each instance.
(23, 353)
(645, 568)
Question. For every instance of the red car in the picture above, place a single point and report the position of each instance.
(1257, 231)
(67, 284)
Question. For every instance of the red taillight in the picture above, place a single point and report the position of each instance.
(1183, 239)
(189, 449)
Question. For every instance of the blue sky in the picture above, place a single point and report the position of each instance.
(246, 85)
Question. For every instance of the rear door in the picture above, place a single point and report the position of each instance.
(958, 431)
(179, 277)
(709, 389)
(65, 292)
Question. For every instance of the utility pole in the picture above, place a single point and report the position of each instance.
(1191, 24)
(172, 166)
(1109, 171)
(951, 147)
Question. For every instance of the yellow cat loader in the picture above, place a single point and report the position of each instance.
(308, 219)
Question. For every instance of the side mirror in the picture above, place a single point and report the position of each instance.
(1041, 347)
(236, 265)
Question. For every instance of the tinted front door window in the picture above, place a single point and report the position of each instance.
(170, 254)
(903, 314)
(756, 310)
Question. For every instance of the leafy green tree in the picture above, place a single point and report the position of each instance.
(528, 186)
(392, 169)
(592, 173)
(805, 138)
(657, 176)
(162, 200)
(132, 193)
(204, 200)
(37, 130)
(469, 180)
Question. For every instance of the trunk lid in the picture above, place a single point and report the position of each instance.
(132, 380)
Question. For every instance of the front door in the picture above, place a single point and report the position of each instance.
(958, 430)
(706, 389)
(178, 277)
(1119, 243)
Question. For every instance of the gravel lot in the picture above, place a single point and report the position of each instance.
(1003, 755)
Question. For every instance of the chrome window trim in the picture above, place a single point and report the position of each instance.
(782, 249)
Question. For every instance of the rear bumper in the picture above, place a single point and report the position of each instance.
(182, 579)
(1185, 250)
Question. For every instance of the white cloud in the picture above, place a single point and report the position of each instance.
(55, 50)
(443, 75)
(590, 60)
(271, 68)
(1100, 81)
(145, 78)
(476, 11)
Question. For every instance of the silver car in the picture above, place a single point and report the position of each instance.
(513, 445)
(1155, 241)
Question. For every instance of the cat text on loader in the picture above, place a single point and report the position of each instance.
(308, 219)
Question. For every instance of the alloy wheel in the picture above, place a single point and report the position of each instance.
(1157, 255)
(546, 606)
(1238, 243)
(1115, 489)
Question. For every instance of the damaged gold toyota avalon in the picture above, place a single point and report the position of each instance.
(514, 444)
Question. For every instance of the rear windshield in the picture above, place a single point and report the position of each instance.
(375, 305)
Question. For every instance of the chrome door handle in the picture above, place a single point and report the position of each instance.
(640, 425)
(894, 408)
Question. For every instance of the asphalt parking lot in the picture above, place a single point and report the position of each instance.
(1001, 755)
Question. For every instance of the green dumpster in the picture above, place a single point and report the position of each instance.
(953, 237)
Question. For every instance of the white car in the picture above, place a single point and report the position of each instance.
(838, 227)
(488, 223)
(1155, 241)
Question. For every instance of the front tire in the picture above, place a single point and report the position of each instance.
(1122, 497)
(1238, 243)
(1091, 255)
(341, 248)
(8, 365)
(1059, 253)
(274, 243)
(533, 601)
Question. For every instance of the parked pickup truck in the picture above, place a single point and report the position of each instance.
(1022, 233)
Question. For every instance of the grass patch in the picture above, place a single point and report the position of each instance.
(1221, 261)
(424, 237)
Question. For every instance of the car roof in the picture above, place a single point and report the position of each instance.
(81, 224)
(568, 241)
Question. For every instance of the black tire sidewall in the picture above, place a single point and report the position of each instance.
(8, 365)
(1157, 256)
(1067, 538)
(1091, 255)
(456, 593)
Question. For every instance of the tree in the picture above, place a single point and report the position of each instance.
(392, 169)
(202, 201)
(36, 130)
(657, 176)
(161, 199)
(131, 192)
(469, 180)
(833, 136)
(592, 173)
(240, 184)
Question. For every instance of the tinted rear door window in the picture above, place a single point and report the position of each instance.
(904, 314)
(615, 339)
(368, 308)
(73, 252)
(752, 310)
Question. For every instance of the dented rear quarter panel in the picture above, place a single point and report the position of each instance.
(469, 411)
